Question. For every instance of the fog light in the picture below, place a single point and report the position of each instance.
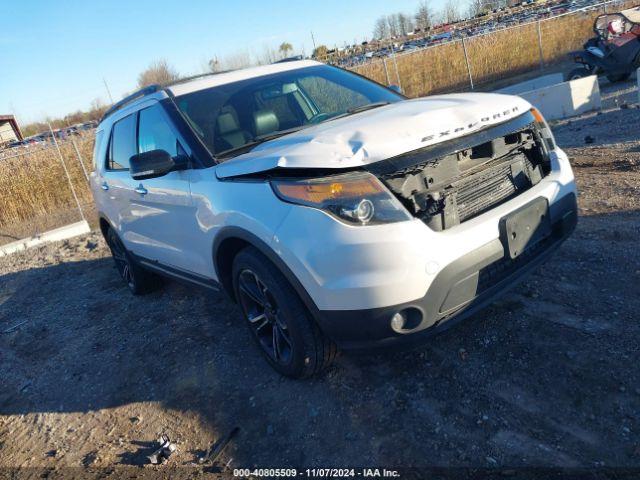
(407, 320)
(398, 321)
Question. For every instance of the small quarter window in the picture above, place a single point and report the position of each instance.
(96, 149)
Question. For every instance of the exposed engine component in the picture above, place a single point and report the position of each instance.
(449, 189)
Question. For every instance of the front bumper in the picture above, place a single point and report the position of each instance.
(354, 279)
(461, 289)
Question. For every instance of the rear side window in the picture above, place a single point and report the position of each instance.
(154, 132)
(123, 143)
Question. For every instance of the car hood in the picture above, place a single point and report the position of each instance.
(378, 134)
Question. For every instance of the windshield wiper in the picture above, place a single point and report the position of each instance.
(368, 106)
(238, 150)
(247, 147)
(360, 109)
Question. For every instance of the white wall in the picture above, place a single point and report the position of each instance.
(6, 132)
(567, 99)
(533, 84)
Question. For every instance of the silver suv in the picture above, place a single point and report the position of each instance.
(333, 210)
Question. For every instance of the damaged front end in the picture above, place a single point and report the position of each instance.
(449, 183)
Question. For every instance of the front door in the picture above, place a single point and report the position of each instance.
(163, 221)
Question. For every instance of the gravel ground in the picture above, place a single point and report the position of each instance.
(547, 377)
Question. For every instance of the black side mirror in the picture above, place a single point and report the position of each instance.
(155, 163)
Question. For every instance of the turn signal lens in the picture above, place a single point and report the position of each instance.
(318, 191)
(537, 115)
(545, 130)
(357, 198)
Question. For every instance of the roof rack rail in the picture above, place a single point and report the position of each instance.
(196, 77)
(290, 59)
(130, 98)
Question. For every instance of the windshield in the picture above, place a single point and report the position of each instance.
(235, 117)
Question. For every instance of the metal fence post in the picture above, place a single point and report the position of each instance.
(75, 147)
(64, 166)
(540, 45)
(386, 71)
(395, 64)
(466, 59)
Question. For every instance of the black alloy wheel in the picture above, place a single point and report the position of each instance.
(137, 279)
(280, 322)
(265, 318)
(121, 259)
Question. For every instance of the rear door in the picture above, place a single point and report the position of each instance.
(163, 225)
(116, 182)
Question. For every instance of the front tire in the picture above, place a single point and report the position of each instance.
(137, 279)
(282, 326)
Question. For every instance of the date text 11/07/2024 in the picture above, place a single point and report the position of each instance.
(317, 472)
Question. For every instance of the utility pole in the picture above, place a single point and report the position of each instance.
(313, 40)
(108, 91)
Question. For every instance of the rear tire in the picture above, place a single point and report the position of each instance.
(282, 326)
(578, 73)
(137, 279)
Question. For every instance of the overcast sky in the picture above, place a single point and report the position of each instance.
(54, 55)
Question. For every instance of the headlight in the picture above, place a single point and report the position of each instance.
(353, 198)
(545, 131)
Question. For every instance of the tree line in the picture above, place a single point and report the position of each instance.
(162, 73)
(400, 24)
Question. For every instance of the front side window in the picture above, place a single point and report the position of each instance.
(123, 143)
(242, 114)
(154, 132)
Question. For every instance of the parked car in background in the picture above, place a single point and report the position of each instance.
(14, 144)
(484, 23)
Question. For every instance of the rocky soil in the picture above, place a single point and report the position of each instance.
(547, 377)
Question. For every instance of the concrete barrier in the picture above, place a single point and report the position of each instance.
(567, 99)
(533, 84)
(58, 234)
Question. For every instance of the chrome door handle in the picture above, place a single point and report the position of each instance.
(104, 186)
(141, 190)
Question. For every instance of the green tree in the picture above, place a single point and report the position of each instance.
(320, 53)
(285, 48)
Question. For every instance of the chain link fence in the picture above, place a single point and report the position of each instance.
(45, 186)
(475, 62)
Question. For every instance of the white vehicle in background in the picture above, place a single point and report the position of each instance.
(335, 211)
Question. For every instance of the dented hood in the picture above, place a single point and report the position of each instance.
(378, 134)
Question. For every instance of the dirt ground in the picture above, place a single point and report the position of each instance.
(547, 377)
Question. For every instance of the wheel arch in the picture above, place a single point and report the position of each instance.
(230, 241)
(104, 224)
